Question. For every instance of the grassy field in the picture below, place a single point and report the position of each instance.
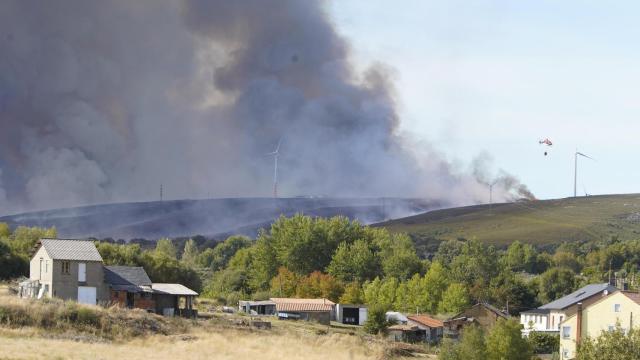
(537, 222)
(224, 336)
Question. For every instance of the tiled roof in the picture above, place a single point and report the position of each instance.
(126, 275)
(578, 296)
(404, 327)
(633, 296)
(82, 250)
(302, 305)
(172, 289)
(426, 321)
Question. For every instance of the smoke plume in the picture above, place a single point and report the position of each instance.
(104, 101)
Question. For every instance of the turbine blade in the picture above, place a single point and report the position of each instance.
(587, 156)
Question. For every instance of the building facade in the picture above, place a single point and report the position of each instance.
(591, 320)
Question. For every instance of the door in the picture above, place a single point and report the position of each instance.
(87, 295)
(362, 318)
(82, 272)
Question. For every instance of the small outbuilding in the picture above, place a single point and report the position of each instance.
(263, 307)
(431, 329)
(351, 314)
(481, 314)
(404, 333)
(318, 310)
(174, 299)
(130, 287)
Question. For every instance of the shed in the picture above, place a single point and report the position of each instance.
(431, 328)
(351, 314)
(481, 314)
(404, 333)
(263, 307)
(168, 297)
(319, 310)
(130, 286)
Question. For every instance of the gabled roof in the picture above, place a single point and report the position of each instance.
(81, 250)
(485, 305)
(172, 289)
(296, 305)
(633, 296)
(578, 296)
(426, 321)
(126, 276)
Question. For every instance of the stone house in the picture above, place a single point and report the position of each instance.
(68, 269)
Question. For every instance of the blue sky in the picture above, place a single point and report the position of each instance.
(497, 76)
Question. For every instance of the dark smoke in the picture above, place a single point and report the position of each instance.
(103, 101)
(505, 185)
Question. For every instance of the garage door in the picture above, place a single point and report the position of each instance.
(86, 295)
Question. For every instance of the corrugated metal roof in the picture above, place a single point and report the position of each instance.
(302, 305)
(81, 250)
(126, 275)
(426, 321)
(404, 327)
(172, 289)
(578, 296)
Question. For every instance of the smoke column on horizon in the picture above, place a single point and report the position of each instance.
(103, 101)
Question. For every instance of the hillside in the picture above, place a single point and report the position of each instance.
(545, 222)
(211, 218)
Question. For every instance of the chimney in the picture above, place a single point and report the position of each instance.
(579, 323)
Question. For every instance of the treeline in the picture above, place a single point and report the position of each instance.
(347, 262)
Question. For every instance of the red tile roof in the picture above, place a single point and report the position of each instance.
(633, 296)
(426, 321)
(302, 305)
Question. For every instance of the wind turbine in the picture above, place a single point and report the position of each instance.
(491, 185)
(575, 171)
(275, 154)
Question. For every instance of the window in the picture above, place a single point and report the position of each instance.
(611, 328)
(565, 353)
(46, 266)
(566, 332)
(616, 307)
(66, 267)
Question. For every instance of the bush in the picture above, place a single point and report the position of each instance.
(377, 320)
(543, 343)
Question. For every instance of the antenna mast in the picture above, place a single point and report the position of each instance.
(161, 192)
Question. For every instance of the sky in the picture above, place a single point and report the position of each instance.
(496, 77)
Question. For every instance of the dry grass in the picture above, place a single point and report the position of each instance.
(54, 329)
(57, 317)
(200, 344)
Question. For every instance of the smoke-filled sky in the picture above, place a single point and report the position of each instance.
(499, 75)
(103, 101)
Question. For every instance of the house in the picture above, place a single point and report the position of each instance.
(482, 314)
(351, 314)
(74, 270)
(404, 333)
(67, 269)
(263, 307)
(603, 314)
(431, 329)
(319, 310)
(547, 318)
(130, 287)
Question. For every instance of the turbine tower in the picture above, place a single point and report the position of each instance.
(575, 171)
(275, 154)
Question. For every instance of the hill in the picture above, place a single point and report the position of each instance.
(214, 218)
(545, 222)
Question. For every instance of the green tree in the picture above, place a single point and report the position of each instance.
(544, 343)
(398, 256)
(454, 299)
(505, 342)
(5, 231)
(354, 262)
(611, 345)
(219, 257)
(556, 283)
(472, 346)
(352, 294)
(376, 320)
(265, 265)
(319, 285)
(285, 283)
(190, 253)
(165, 247)
(435, 283)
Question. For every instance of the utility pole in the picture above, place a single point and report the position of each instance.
(161, 192)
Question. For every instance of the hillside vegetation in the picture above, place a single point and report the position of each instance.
(546, 222)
